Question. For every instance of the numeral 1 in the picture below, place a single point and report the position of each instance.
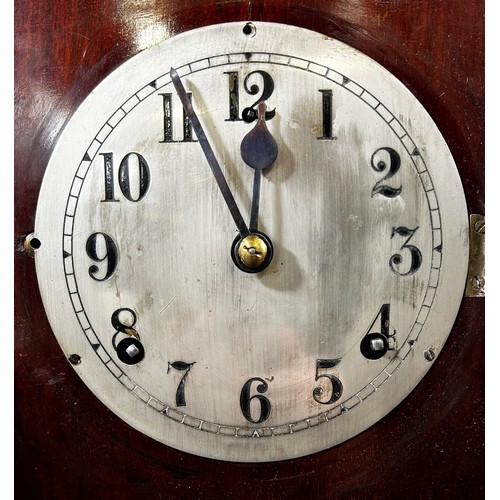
(234, 96)
(327, 113)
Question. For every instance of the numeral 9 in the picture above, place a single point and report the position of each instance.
(101, 248)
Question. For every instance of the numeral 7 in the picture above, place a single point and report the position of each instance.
(180, 398)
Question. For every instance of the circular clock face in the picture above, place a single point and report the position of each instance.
(252, 242)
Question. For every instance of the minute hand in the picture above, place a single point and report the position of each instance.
(209, 154)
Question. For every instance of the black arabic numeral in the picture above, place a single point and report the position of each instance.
(130, 349)
(336, 388)
(124, 320)
(416, 256)
(142, 179)
(168, 127)
(386, 160)
(246, 400)
(234, 96)
(180, 396)
(101, 248)
(376, 343)
(249, 114)
(327, 114)
(109, 178)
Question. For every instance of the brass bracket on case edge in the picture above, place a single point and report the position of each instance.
(475, 276)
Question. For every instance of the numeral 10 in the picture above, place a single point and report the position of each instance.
(133, 185)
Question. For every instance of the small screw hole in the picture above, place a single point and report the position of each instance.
(75, 359)
(249, 29)
(31, 244)
(430, 354)
(35, 243)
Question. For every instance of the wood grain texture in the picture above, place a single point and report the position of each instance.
(68, 445)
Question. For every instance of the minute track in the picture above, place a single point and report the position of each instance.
(383, 376)
(268, 339)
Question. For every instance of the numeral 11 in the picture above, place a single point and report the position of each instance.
(168, 129)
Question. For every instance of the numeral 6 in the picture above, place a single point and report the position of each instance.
(246, 400)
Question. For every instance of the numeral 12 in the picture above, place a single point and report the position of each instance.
(264, 91)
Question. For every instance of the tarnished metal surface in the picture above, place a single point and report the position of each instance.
(364, 207)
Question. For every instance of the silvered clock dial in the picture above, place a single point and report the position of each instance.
(252, 242)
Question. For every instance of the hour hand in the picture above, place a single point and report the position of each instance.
(259, 151)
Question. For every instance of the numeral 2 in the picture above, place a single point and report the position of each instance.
(383, 159)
